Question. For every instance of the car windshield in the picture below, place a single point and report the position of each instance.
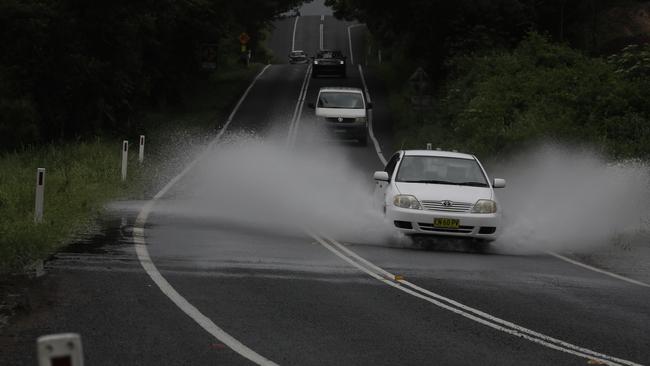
(340, 100)
(329, 54)
(441, 170)
(297, 53)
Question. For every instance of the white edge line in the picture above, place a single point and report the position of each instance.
(293, 38)
(602, 271)
(516, 331)
(164, 286)
(371, 132)
(321, 31)
(350, 41)
(480, 313)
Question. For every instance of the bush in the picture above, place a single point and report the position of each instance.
(494, 103)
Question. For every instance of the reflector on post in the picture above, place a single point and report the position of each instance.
(141, 152)
(40, 189)
(60, 350)
(125, 155)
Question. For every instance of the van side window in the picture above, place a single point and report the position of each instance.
(392, 163)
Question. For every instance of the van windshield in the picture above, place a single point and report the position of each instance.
(340, 100)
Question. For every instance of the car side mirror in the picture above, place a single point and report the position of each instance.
(311, 105)
(369, 105)
(381, 175)
(499, 183)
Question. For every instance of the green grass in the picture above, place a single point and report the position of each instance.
(83, 176)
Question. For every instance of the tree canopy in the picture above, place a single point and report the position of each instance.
(74, 67)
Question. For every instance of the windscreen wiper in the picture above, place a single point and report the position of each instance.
(428, 181)
(472, 184)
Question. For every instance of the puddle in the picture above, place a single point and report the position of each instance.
(110, 234)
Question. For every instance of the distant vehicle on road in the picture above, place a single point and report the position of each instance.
(298, 57)
(328, 62)
(344, 111)
(439, 193)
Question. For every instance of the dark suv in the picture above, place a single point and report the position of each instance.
(328, 62)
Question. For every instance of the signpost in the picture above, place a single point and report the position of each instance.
(244, 38)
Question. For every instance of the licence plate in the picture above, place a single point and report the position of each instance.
(446, 223)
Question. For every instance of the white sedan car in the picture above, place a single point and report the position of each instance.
(439, 193)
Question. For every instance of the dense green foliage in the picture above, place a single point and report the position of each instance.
(70, 68)
(504, 100)
(506, 73)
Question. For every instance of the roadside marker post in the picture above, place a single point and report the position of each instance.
(40, 190)
(60, 349)
(429, 146)
(141, 152)
(125, 158)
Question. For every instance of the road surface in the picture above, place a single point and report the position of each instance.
(204, 288)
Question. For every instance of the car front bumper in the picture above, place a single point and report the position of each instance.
(477, 226)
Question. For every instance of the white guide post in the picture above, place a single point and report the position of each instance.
(125, 158)
(40, 190)
(141, 152)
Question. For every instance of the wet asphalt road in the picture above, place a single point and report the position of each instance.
(291, 300)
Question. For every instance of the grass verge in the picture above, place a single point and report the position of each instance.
(83, 176)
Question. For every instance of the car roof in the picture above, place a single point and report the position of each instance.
(345, 89)
(439, 153)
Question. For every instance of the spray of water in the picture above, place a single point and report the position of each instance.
(263, 184)
(557, 198)
(564, 199)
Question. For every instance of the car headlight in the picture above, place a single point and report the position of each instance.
(315, 62)
(361, 119)
(484, 207)
(406, 201)
(341, 62)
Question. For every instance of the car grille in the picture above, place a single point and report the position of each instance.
(449, 207)
(336, 120)
(430, 227)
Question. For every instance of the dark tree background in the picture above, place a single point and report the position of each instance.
(429, 31)
(73, 68)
